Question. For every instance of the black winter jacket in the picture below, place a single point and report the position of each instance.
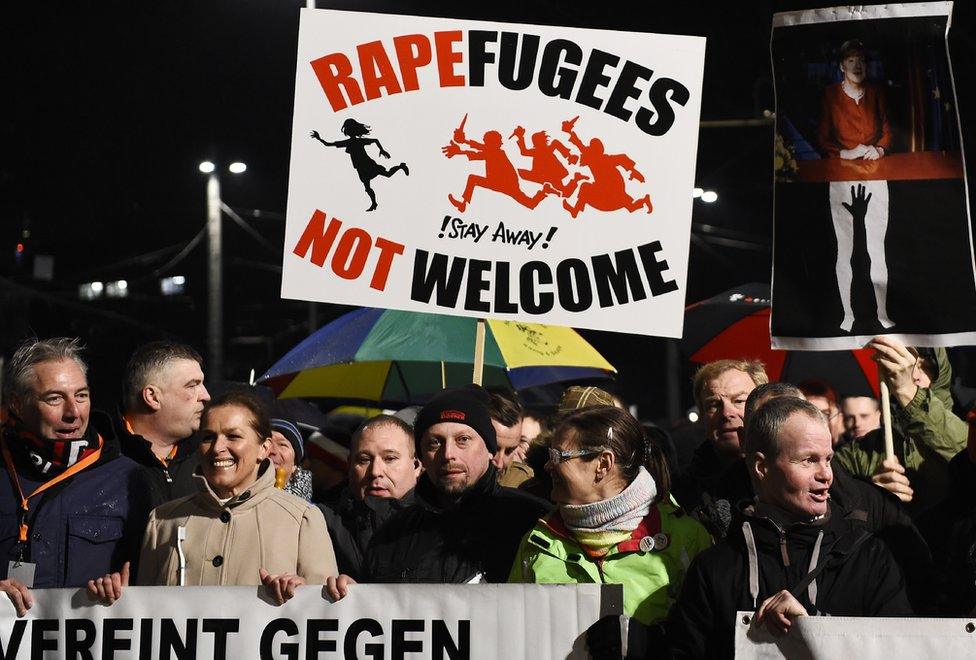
(169, 482)
(434, 542)
(353, 522)
(859, 580)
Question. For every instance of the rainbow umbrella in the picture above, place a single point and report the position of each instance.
(403, 357)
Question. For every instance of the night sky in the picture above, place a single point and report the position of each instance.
(108, 108)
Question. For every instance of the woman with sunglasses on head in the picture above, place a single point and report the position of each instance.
(615, 521)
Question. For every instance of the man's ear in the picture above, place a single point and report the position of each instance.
(605, 462)
(760, 467)
(150, 397)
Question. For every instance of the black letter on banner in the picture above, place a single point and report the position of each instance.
(13, 644)
(75, 647)
(659, 99)
(653, 269)
(171, 642)
(358, 627)
(110, 643)
(625, 88)
(220, 628)
(290, 649)
(526, 63)
(593, 77)
(527, 287)
(146, 638)
(401, 645)
(313, 643)
(38, 643)
(568, 272)
(442, 641)
(550, 70)
(479, 55)
(424, 282)
(503, 287)
(626, 272)
(477, 282)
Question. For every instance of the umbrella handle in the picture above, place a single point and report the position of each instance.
(479, 352)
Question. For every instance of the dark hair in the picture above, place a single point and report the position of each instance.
(379, 421)
(607, 427)
(146, 361)
(353, 128)
(851, 46)
(815, 387)
(765, 392)
(260, 417)
(762, 429)
(506, 409)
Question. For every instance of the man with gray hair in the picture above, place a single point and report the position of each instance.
(788, 553)
(73, 508)
(163, 398)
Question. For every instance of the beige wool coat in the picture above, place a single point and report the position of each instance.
(227, 544)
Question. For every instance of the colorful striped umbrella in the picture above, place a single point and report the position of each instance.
(395, 356)
(735, 325)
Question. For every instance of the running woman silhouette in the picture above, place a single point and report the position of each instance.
(355, 145)
(500, 174)
(607, 191)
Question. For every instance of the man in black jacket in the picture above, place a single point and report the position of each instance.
(789, 553)
(465, 527)
(163, 398)
(383, 471)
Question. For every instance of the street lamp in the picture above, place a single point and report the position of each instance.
(215, 294)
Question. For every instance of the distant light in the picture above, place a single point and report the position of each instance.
(20, 248)
(207, 167)
(692, 416)
(237, 167)
(697, 192)
(25, 233)
(117, 289)
(709, 196)
(172, 286)
(90, 290)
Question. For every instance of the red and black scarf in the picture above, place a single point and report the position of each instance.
(45, 456)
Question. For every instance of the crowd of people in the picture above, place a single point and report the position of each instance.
(789, 506)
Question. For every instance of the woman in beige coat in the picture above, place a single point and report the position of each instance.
(240, 529)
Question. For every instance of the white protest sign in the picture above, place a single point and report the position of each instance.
(373, 621)
(858, 637)
(519, 172)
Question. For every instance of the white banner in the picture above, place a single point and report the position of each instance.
(373, 621)
(825, 637)
(519, 172)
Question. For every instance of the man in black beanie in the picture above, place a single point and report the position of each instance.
(464, 527)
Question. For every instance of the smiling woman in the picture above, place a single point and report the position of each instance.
(239, 529)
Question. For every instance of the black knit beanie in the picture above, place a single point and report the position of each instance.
(463, 405)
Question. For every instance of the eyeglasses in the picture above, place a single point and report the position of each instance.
(557, 456)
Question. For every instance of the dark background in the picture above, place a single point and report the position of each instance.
(108, 107)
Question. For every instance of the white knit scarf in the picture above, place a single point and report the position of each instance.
(621, 513)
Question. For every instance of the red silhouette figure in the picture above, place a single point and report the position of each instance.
(546, 167)
(607, 191)
(500, 174)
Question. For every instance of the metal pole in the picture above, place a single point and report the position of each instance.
(672, 363)
(215, 307)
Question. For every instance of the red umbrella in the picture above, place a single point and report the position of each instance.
(735, 325)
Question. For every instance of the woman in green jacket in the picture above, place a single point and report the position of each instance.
(615, 521)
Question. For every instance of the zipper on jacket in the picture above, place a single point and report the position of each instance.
(169, 479)
(782, 548)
